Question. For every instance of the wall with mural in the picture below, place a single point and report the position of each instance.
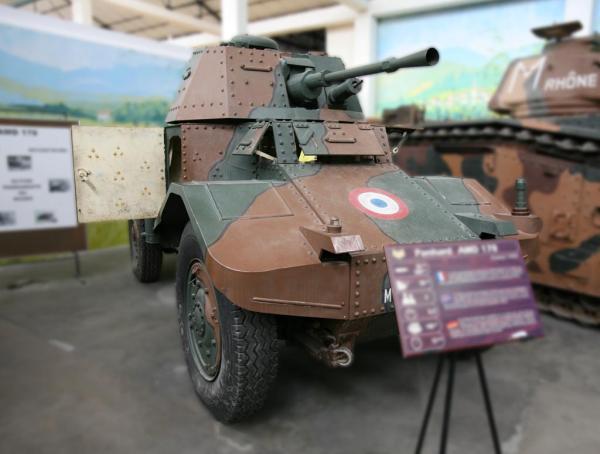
(54, 69)
(48, 75)
(476, 44)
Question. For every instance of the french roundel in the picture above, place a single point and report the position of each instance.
(378, 203)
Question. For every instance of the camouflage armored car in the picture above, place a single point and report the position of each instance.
(279, 200)
(552, 139)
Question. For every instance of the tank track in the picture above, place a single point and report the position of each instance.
(571, 306)
(572, 143)
(569, 142)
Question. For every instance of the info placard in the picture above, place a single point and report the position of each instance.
(460, 295)
(36, 176)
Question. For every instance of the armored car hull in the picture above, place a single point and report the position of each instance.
(278, 198)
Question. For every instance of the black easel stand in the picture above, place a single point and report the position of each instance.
(451, 359)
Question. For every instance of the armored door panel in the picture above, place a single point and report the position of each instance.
(332, 138)
(353, 139)
(251, 139)
(119, 172)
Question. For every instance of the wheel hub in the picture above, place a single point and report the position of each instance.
(203, 327)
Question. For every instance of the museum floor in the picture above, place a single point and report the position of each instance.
(94, 365)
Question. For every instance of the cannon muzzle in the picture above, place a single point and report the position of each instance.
(306, 86)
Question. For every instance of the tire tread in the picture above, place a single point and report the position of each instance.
(257, 358)
(250, 345)
(149, 261)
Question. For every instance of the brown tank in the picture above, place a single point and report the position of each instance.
(551, 136)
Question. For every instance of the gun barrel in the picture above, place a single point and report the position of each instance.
(340, 92)
(425, 57)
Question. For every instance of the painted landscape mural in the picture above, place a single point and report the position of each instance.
(476, 44)
(46, 75)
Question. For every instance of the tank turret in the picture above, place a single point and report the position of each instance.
(249, 77)
(562, 80)
(306, 86)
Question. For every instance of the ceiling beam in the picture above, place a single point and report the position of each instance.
(147, 27)
(386, 8)
(200, 4)
(208, 9)
(124, 20)
(55, 8)
(20, 3)
(101, 23)
(330, 16)
(357, 5)
(165, 15)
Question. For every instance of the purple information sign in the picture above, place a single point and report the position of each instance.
(468, 294)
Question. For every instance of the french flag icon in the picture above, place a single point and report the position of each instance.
(441, 276)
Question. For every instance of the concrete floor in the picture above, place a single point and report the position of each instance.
(94, 365)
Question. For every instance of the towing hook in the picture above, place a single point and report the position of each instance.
(342, 357)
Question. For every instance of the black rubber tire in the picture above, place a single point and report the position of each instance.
(249, 349)
(146, 258)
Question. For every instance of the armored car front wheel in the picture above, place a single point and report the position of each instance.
(231, 354)
(146, 258)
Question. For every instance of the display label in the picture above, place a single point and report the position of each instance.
(36, 177)
(460, 295)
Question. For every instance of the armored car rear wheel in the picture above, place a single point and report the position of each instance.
(146, 258)
(231, 354)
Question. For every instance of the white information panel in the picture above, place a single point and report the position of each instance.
(36, 178)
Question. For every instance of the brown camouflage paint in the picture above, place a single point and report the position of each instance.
(196, 164)
(559, 193)
(225, 82)
(263, 259)
(568, 205)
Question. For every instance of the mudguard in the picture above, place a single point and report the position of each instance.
(210, 207)
(266, 248)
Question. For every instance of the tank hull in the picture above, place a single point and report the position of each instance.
(562, 166)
